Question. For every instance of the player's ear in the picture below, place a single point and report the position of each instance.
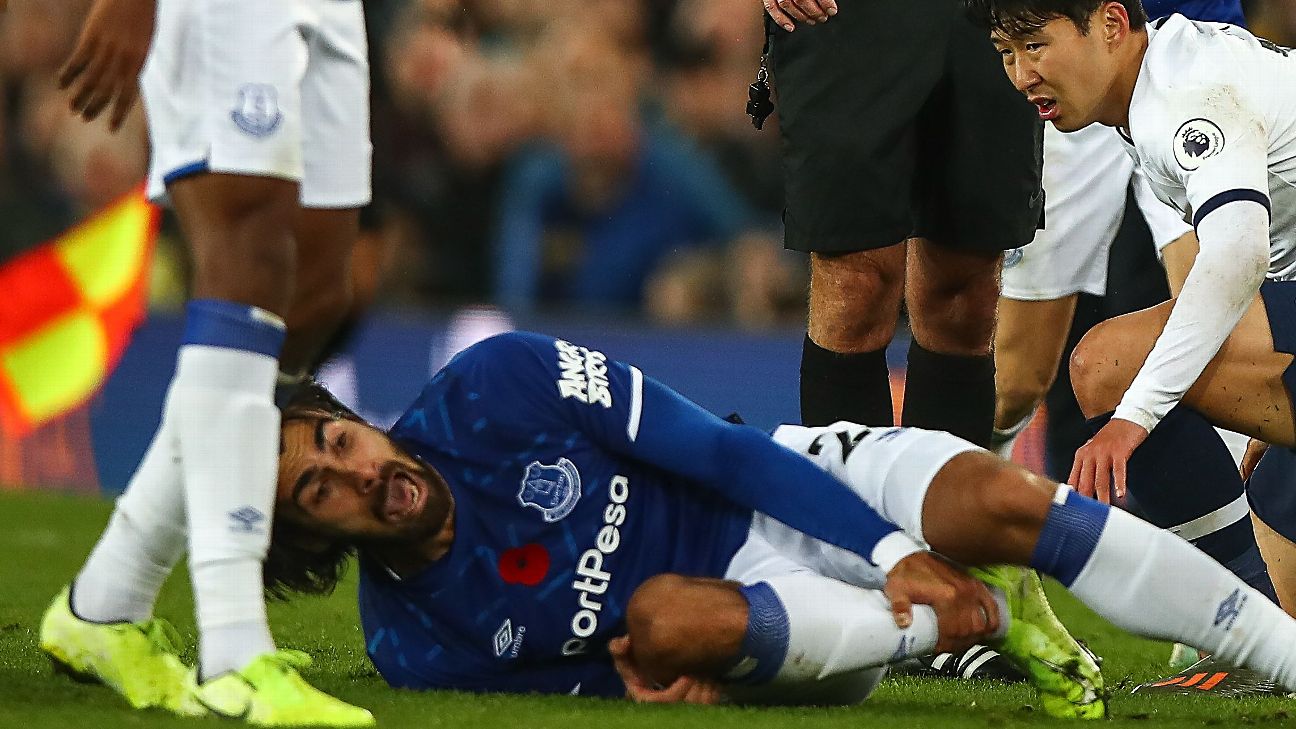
(1115, 22)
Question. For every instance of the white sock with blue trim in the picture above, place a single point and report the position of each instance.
(805, 629)
(1152, 583)
(227, 428)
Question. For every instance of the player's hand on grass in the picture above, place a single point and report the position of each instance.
(1254, 452)
(641, 689)
(965, 610)
(789, 12)
(1100, 464)
(104, 67)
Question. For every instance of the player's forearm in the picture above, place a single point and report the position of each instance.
(1221, 285)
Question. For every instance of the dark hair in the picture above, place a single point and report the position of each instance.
(301, 560)
(1016, 18)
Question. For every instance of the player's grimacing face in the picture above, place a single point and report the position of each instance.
(1063, 72)
(348, 479)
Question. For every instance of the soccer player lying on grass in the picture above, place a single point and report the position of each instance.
(538, 502)
(1207, 112)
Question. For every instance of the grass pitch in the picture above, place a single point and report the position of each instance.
(44, 539)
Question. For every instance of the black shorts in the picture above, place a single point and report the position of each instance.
(898, 120)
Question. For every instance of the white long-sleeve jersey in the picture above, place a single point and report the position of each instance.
(1212, 124)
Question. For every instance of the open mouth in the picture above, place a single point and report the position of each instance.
(405, 497)
(1048, 109)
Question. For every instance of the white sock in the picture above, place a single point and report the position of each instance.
(228, 431)
(1150, 582)
(829, 628)
(233, 622)
(142, 543)
(1002, 442)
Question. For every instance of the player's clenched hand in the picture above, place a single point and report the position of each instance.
(1100, 464)
(1254, 452)
(789, 12)
(104, 67)
(640, 689)
(965, 610)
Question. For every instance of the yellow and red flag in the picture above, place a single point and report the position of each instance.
(67, 309)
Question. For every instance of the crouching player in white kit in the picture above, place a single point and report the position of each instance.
(545, 519)
(1209, 113)
(1086, 176)
(259, 127)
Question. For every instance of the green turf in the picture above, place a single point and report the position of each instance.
(44, 538)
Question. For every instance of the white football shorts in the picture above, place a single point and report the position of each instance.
(269, 88)
(822, 584)
(1086, 177)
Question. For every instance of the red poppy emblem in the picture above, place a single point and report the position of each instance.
(525, 565)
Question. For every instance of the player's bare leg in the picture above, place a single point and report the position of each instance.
(1029, 339)
(951, 296)
(854, 305)
(324, 293)
(1241, 389)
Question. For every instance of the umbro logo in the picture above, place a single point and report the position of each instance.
(1229, 609)
(905, 648)
(247, 520)
(506, 641)
(503, 637)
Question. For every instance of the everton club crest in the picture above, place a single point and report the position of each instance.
(258, 111)
(554, 490)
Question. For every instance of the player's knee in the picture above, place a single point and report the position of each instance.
(658, 614)
(955, 320)
(683, 624)
(1096, 378)
(855, 299)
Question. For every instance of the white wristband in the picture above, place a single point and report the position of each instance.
(892, 548)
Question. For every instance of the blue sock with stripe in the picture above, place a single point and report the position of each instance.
(1071, 532)
(765, 644)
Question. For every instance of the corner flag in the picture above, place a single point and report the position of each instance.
(67, 309)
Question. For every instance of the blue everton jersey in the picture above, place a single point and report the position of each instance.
(555, 524)
(575, 479)
(1214, 11)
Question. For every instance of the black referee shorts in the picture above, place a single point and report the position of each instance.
(898, 121)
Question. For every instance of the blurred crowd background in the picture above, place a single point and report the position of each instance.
(537, 156)
(560, 155)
